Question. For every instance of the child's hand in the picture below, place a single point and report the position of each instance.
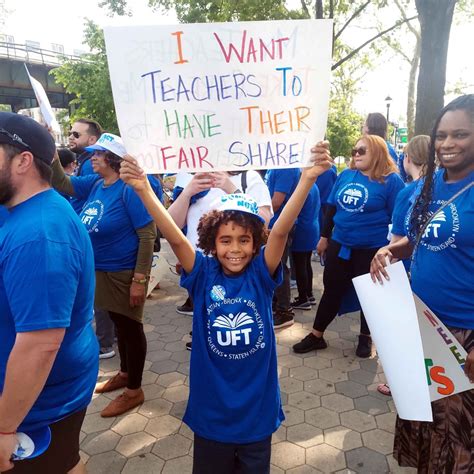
(321, 160)
(132, 174)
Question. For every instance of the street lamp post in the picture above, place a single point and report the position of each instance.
(388, 99)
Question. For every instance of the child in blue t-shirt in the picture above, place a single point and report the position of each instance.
(234, 403)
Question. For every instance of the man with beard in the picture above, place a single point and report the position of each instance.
(48, 349)
(83, 133)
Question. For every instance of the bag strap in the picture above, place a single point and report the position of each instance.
(433, 215)
(243, 181)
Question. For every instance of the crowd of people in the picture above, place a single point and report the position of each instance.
(78, 228)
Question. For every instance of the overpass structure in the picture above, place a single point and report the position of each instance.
(15, 87)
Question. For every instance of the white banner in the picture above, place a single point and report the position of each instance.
(391, 314)
(221, 96)
(43, 103)
(158, 269)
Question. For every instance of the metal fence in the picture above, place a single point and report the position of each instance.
(33, 54)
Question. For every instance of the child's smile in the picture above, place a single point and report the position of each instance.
(234, 248)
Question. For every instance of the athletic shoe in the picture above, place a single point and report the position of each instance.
(299, 304)
(364, 348)
(186, 308)
(282, 319)
(312, 299)
(106, 353)
(116, 382)
(189, 346)
(122, 404)
(310, 343)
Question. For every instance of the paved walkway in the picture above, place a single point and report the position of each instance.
(336, 421)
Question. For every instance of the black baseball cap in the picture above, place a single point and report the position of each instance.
(27, 135)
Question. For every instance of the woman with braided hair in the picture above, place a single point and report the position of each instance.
(440, 239)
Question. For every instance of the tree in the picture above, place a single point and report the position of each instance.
(435, 17)
(89, 81)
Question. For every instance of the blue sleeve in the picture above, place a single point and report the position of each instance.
(332, 196)
(269, 282)
(135, 208)
(83, 185)
(283, 182)
(43, 296)
(194, 280)
(156, 186)
(394, 186)
(400, 210)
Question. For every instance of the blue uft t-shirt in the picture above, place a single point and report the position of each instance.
(402, 208)
(281, 181)
(306, 233)
(111, 215)
(47, 281)
(442, 273)
(363, 208)
(234, 394)
(3, 215)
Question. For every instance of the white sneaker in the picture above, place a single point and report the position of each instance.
(107, 353)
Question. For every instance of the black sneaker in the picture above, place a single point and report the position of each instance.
(312, 299)
(187, 308)
(282, 319)
(299, 304)
(310, 343)
(364, 348)
(189, 346)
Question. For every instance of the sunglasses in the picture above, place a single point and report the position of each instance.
(74, 134)
(15, 139)
(361, 151)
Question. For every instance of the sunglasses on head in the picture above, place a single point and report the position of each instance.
(15, 139)
(361, 151)
(74, 134)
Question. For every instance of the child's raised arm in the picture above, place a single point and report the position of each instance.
(322, 161)
(133, 175)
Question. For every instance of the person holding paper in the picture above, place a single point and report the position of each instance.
(356, 223)
(234, 402)
(440, 240)
(122, 235)
(48, 349)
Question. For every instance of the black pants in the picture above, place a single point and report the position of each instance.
(132, 348)
(282, 293)
(337, 279)
(62, 454)
(303, 274)
(213, 457)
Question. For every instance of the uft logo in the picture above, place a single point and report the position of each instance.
(92, 214)
(233, 335)
(433, 227)
(353, 197)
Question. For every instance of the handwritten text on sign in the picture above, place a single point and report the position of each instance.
(222, 96)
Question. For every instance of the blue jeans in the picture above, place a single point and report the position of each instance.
(104, 328)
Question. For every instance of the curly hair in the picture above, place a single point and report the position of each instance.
(420, 213)
(113, 160)
(210, 222)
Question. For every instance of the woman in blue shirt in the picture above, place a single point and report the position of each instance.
(356, 223)
(442, 244)
(122, 235)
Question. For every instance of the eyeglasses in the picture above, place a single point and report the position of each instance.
(15, 139)
(74, 134)
(361, 151)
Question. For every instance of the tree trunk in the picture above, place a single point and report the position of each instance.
(435, 18)
(412, 89)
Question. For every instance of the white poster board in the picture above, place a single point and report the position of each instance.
(444, 355)
(221, 96)
(158, 269)
(391, 315)
(43, 103)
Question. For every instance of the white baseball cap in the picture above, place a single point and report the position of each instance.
(237, 202)
(109, 142)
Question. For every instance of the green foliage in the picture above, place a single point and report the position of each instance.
(344, 127)
(89, 81)
(5, 108)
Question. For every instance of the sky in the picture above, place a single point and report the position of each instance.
(61, 21)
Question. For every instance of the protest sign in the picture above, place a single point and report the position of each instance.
(43, 103)
(158, 269)
(391, 314)
(444, 355)
(221, 96)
